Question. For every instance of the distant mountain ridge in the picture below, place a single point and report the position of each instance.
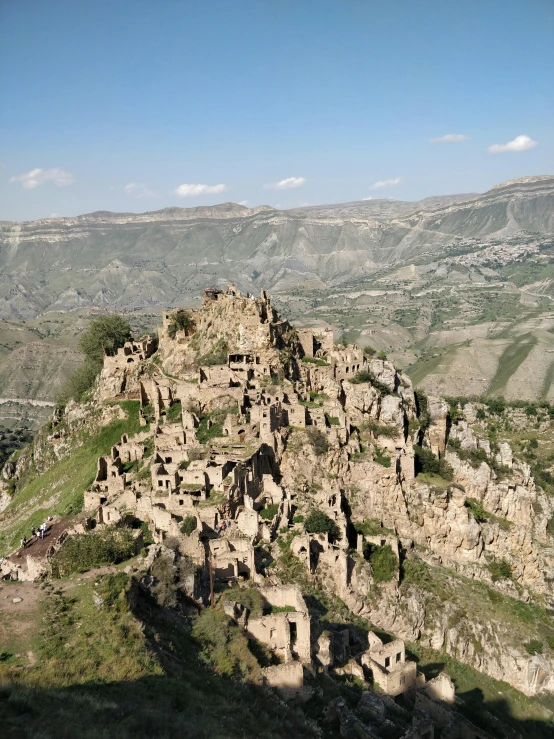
(128, 261)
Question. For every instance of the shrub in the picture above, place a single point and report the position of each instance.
(473, 456)
(146, 534)
(367, 376)
(180, 321)
(455, 413)
(204, 434)
(319, 442)
(382, 355)
(383, 561)
(372, 527)
(318, 522)
(269, 512)
(496, 406)
(369, 351)
(476, 507)
(85, 551)
(500, 570)
(422, 409)
(173, 415)
(224, 645)
(550, 640)
(481, 415)
(164, 588)
(533, 646)
(217, 355)
(188, 525)
(315, 360)
(299, 518)
(381, 457)
(81, 380)
(380, 429)
(429, 463)
(531, 409)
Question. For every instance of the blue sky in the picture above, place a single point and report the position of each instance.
(126, 105)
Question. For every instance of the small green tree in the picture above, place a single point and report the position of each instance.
(319, 442)
(180, 321)
(188, 525)
(383, 560)
(318, 522)
(105, 335)
(81, 380)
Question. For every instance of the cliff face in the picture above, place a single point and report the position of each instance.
(246, 420)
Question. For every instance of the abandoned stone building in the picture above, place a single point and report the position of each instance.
(242, 450)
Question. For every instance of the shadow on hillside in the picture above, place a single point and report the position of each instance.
(189, 700)
(200, 707)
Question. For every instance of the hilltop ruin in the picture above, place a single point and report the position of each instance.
(249, 427)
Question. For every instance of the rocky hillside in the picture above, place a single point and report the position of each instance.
(129, 260)
(340, 538)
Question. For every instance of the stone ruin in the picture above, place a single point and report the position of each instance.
(269, 390)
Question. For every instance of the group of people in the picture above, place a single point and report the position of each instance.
(225, 524)
(36, 533)
(231, 290)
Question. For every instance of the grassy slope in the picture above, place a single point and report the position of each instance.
(110, 670)
(59, 490)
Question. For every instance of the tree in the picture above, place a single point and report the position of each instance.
(180, 321)
(105, 335)
(320, 523)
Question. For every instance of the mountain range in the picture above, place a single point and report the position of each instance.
(131, 261)
(450, 287)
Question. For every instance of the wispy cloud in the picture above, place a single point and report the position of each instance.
(139, 190)
(520, 143)
(243, 202)
(369, 197)
(385, 183)
(450, 138)
(37, 177)
(286, 184)
(193, 191)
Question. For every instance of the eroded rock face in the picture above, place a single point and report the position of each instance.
(436, 432)
(349, 453)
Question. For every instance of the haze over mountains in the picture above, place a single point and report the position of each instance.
(129, 261)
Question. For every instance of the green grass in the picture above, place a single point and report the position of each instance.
(127, 668)
(481, 695)
(59, 490)
(315, 360)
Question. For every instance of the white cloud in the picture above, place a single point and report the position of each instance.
(369, 197)
(385, 183)
(450, 138)
(243, 202)
(37, 177)
(139, 190)
(520, 143)
(193, 191)
(286, 184)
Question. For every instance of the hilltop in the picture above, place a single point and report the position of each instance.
(291, 508)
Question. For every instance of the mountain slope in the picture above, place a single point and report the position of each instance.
(136, 260)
